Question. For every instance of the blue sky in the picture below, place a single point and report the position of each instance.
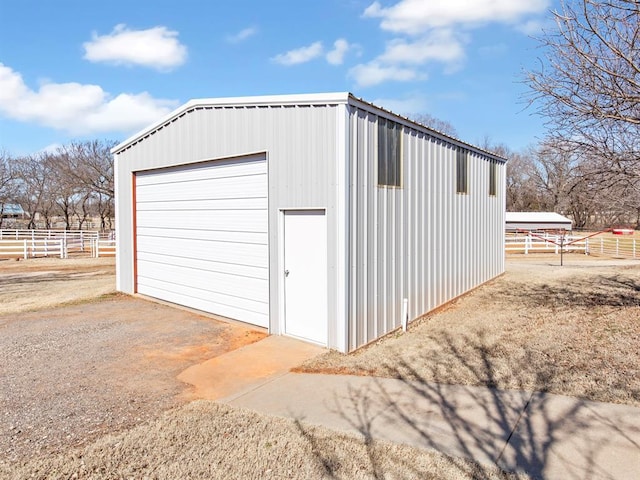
(78, 69)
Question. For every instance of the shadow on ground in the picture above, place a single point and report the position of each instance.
(593, 291)
(537, 434)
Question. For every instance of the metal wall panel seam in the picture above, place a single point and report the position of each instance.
(342, 219)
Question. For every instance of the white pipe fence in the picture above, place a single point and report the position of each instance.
(624, 247)
(32, 248)
(47, 243)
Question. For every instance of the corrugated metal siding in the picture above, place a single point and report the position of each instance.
(301, 145)
(422, 241)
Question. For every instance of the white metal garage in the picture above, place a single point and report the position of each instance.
(371, 219)
(202, 237)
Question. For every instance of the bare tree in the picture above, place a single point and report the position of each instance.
(522, 192)
(90, 166)
(32, 177)
(7, 184)
(434, 123)
(588, 84)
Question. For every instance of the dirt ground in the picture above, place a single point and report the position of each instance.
(68, 377)
(71, 374)
(45, 282)
(571, 330)
(89, 390)
(205, 440)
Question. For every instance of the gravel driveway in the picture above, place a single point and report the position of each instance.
(68, 375)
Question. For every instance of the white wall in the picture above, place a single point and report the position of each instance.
(422, 241)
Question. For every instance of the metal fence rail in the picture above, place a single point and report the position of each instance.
(39, 243)
(28, 248)
(614, 247)
(623, 247)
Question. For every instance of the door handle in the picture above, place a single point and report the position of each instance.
(286, 273)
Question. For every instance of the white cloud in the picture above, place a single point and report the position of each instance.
(535, 26)
(242, 35)
(434, 31)
(374, 73)
(51, 148)
(299, 55)
(156, 47)
(340, 49)
(77, 108)
(439, 45)
(413, 17)
(401, 58)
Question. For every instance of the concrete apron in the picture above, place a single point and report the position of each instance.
(241, 370)
(546, 436)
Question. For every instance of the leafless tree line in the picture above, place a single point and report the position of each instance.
(553, 176)
(587, 87)
(72, 185)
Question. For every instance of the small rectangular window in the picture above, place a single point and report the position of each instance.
(461, 170)
(492, 178)
(389, 153)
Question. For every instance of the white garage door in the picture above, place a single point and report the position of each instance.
(202, 237)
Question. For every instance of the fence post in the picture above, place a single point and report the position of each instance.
(586, 246)
(26, 252)
(526, 245)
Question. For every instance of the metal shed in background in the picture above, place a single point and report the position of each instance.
(515, 221)
(315, 216)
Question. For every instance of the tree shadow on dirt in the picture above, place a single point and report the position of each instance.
(612, 290)
(517, 430)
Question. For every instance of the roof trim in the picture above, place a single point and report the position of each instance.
(425, 128)
(252, 101)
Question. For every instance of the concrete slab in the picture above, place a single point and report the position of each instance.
(472, 422)
(570, 438)
(248, 367)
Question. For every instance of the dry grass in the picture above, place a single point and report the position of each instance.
(34, 284)
(207, 440)
(572, 330)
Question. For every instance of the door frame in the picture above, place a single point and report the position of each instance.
(281, 257)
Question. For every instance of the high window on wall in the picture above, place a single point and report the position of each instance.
(462, 170)
(492, 178)
(389, 153)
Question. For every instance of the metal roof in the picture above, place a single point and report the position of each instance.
(536, 217)
(333, 98)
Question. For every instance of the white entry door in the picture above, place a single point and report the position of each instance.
(305, 275)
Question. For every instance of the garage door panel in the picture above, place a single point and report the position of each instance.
(231, 253)
(202, 237)
(207, 302)
(200, 264)
(210, 235)
(225, 220)
(239, 287)
(224, 169)
(259, 203)
(250, 187)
